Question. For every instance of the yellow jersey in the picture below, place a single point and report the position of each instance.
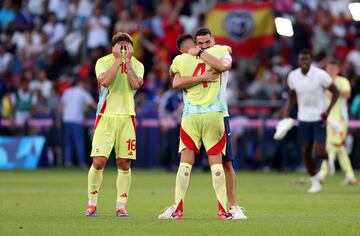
(203, 97)
(118, 97)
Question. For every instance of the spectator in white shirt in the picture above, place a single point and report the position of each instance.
(5, 61)
(98, 26)
(42, 85)
(72, 104)
(54, 30)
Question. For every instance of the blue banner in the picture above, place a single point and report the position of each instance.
(21, 152)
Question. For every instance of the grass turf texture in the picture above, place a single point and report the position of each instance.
(53, 202)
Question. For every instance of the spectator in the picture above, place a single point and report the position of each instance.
(60, 8)
(171, 28)
(98, 26)
(124, 23)
(54, 30)
(170, 110)
(42, 86)
(302, 34)
(7, 14)
(24, 102)
(5, 61)
(82, 11)
(72, 105)
(354, 57)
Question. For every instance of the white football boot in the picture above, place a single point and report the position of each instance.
(237, 213)
(167, 213)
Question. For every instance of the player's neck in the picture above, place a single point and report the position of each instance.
(305, 71)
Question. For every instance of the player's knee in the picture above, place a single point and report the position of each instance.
(99, 163)
(123, 164)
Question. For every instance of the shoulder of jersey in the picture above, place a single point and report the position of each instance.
(342, 79)
(216, 47)
(181, 56)
(106, 57)
(136, 61)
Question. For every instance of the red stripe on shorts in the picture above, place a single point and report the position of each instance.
(189, 143)
(133, 121)
(217, 148)
(100, 114)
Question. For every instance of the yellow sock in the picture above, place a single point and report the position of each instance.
(182, 184)
(219, 184)
(95, 178)
(324, 169)
(345, 163)
(123, 182)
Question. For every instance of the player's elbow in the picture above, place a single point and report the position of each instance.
(136, 84)
(104, 84)
(103, 81)
(223, 67)
(176, 85)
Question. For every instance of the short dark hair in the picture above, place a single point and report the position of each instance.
(305, 52)
(202, 31)
(182, 38)
(120, 36)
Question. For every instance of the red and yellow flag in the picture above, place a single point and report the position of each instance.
(246, 27)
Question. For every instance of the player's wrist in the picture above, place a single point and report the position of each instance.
(201, 51)
(118, 60)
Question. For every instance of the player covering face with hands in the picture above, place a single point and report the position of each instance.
(119, 75)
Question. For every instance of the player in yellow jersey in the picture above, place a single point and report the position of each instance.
(205, 40)
(202, 123)
(335, 140)
(118, 74)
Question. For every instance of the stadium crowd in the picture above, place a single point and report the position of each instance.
(49, 46)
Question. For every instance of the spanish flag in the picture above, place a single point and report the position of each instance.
(246, 27)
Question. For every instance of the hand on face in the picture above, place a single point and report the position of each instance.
(116, 51)
(129, 50)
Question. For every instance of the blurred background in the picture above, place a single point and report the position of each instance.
(49, 48)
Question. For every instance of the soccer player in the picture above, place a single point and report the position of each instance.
(308, 85)
(204, 40)
(202, 123)
(119, 74)
(335, 141)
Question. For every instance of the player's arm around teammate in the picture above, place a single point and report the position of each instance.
(185, 82)
(204, 40)
(218, 64)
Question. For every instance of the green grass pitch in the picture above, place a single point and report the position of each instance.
(53, 202)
